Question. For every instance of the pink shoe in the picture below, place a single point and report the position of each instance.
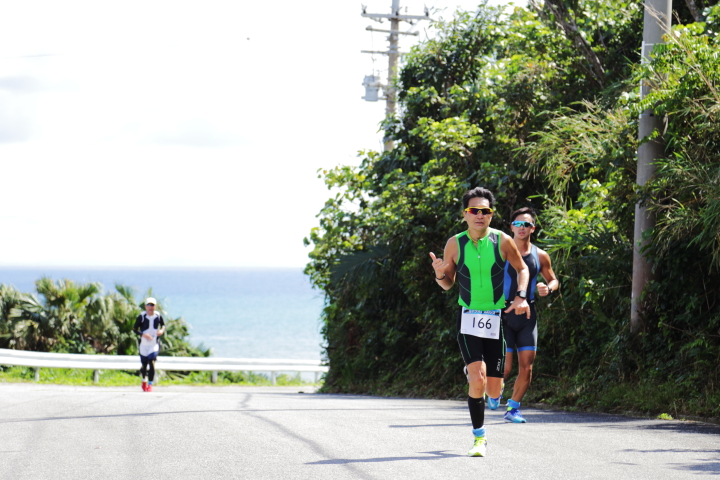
(149, 388)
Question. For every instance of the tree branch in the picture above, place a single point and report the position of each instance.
(566, 23)
(695, 11)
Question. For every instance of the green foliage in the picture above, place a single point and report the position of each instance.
(72, 318)
(235, 378)
(117, 378)
(682, 314)
(647, 396)
(685, 195)
(65, 376)
(472, 97)
(593, 260)
(539, 106)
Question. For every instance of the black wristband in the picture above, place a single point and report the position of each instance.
(443, 277)
(522, 294)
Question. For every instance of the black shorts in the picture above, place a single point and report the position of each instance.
(520, 332)
(477, 349)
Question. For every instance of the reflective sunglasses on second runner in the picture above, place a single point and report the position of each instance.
(518, 223)
(476, 210)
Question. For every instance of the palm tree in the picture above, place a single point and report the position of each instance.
(55, 323)
(10, 297)
(77, 318)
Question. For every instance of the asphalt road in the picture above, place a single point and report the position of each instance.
(58, 432)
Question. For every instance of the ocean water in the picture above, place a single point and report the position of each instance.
(240, 313)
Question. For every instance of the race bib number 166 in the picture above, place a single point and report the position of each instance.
(479, 323)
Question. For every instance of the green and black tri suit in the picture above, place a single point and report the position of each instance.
(480, 275)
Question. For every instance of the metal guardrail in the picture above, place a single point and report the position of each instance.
(97, 363)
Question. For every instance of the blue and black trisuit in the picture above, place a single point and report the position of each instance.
(521, 332)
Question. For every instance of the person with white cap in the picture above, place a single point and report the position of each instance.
(149, 326)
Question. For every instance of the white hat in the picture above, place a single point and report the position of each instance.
(150, 300)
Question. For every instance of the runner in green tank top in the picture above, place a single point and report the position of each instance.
(476, 259)
(480, 271)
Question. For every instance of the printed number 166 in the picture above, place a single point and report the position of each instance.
(481, 324)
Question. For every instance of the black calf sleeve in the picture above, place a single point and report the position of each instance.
(151, 374)
(477, 411)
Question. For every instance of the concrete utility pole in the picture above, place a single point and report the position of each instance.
(393, 53)
(657, 22)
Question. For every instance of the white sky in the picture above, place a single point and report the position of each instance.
(149, 133)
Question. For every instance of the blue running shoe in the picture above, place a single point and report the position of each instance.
(493, 403)
(513, 415)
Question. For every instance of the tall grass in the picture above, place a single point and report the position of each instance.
(119, 378)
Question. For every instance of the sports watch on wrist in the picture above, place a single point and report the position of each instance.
(522, 294)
